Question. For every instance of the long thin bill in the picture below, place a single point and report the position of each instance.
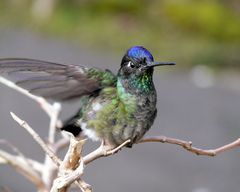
(153, 64)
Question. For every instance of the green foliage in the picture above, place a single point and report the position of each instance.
(208, 18)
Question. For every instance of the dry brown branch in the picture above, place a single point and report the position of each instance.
(21, 157)
(85, 187)
(71, 168)
(188, 145)
(14, 148)
(37, 166)
(71, 159)
(3, 161)
(67, 178)
(47, 107)
(23, 168)
(5, 189)
(73, 155)
(53, 122)
(37, 138)
(50, 170)
(60, 144)
(103, 151)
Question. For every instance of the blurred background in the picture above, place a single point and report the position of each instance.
(198, 100)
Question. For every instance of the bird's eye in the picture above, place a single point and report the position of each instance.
(131, 64)
(144, 60)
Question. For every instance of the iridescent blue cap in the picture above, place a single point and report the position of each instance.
(138, 52)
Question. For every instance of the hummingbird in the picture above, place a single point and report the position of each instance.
(113, 108)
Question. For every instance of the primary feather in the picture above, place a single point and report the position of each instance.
(56, 81)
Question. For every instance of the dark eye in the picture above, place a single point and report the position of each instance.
(144, 60)
(131, 64)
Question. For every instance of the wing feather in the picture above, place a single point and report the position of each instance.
(55, 81)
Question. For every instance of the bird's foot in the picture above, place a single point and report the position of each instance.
(110, 150)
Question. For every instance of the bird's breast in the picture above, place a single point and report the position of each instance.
(109, 117)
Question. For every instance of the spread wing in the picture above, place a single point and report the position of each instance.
(55, 81)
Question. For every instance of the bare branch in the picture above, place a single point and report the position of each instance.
(37, 138)
(48, 108)
(2, 160)
(227, 147)
(60, 144)
(71, 168)
(188, 145)
(21, 157)
(23, 168)
(53, 122)
(37, 166)
(5, 189)
(50, 171)
(16, 150)
(72, 160)
(73, 155)
(102, 151)
(67, 179)
(85, 187)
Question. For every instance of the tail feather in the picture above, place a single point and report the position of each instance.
(72, 126)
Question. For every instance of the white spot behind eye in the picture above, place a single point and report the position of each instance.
(129, 64)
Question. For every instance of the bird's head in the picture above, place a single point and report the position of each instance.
(137, 61)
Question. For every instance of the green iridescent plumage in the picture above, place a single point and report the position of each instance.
(105, 78)
(114, 108)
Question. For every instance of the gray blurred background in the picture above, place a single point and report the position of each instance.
(198, 100)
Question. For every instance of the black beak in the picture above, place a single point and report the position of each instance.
(154, 64)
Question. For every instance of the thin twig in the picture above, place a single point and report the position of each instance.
(49, 170)
(16, 150)
(5, 189)
(21, 157)
(188, 145)
(53, 122)
(102, 151)
(85, 187)
(3, 160)
(48, 108)
(23, 168)
(37, 166)
(37, 138)
(60, 144)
